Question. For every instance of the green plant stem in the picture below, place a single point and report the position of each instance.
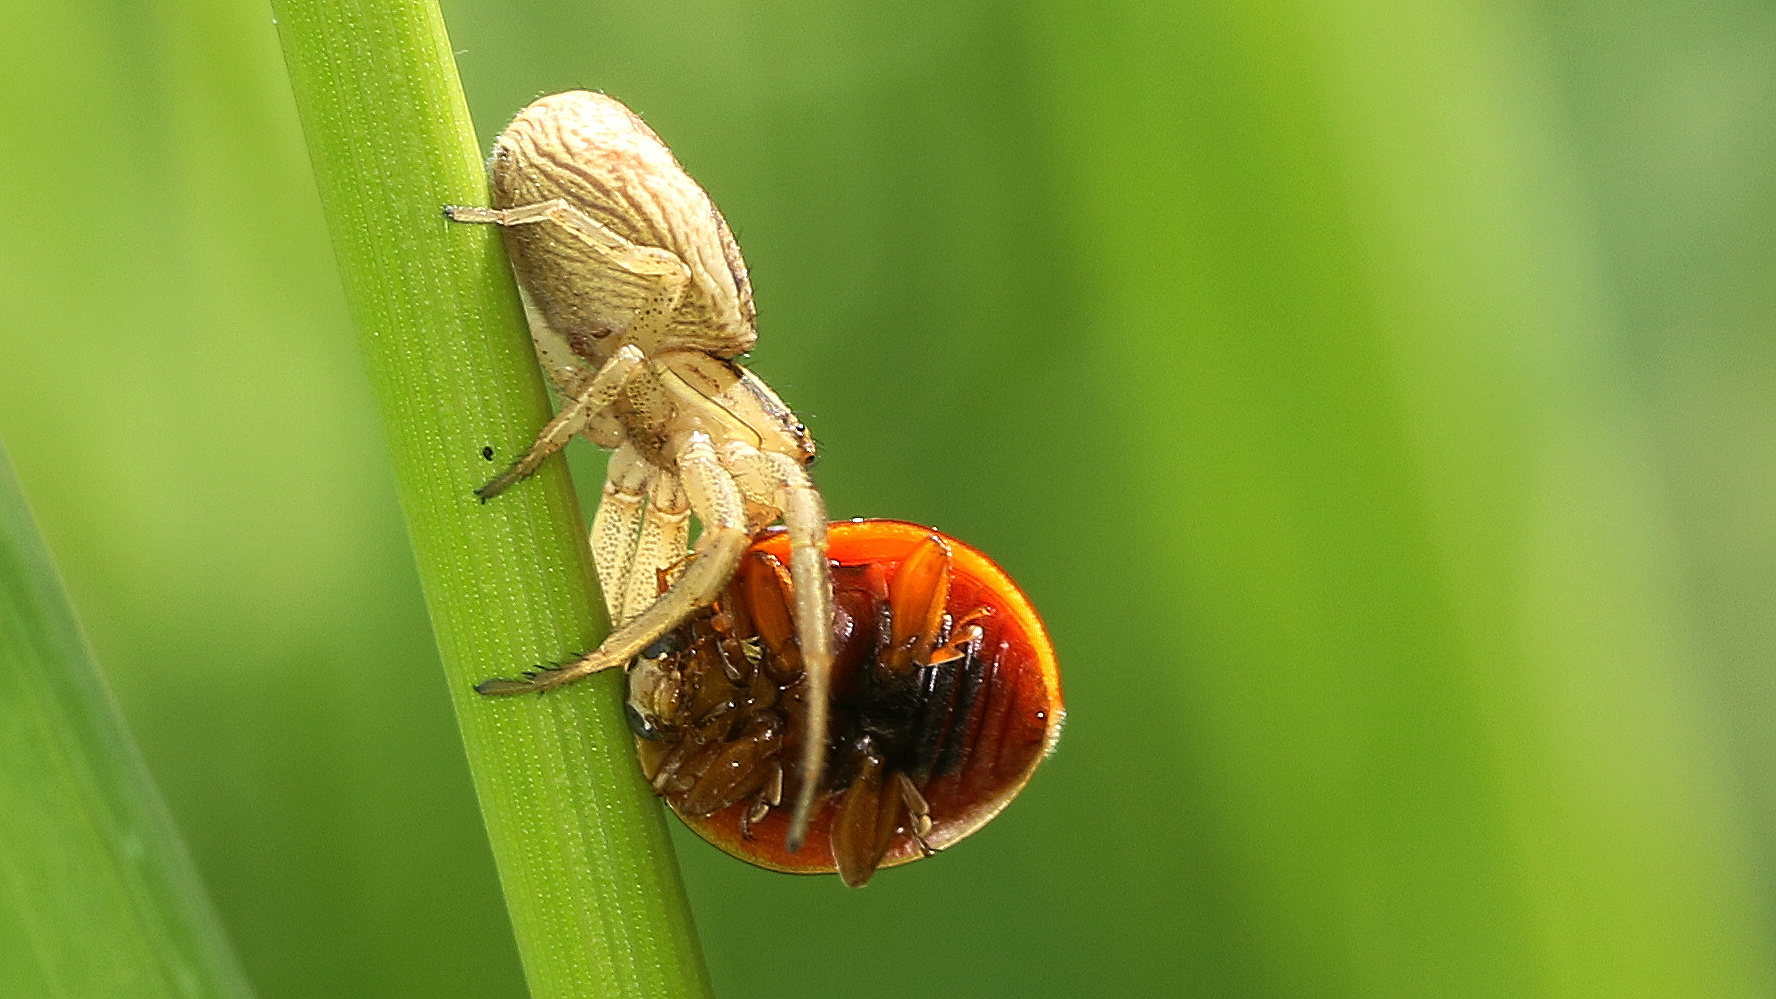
(581, 846)
(97, 894)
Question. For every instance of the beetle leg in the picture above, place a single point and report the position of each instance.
(766, 586)
(716, 501)
(919, 592)
(598, 392)
(773, 791)
(963, 634)
(869, 813)
(755, 813)
(669, 764)
(739, 768)
(918, 811)
(617, 525)
(669, 274)
(769, 795)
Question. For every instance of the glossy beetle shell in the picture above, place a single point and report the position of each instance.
(944, 681)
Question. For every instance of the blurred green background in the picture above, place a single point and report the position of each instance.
(1377, 397)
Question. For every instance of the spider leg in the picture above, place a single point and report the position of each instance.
(716, 500)
(617, 525)
(665, 530)
(664, 269)
(778, 481)
(804, 515)
(598, 392)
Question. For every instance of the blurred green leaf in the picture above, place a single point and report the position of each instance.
(97, 895)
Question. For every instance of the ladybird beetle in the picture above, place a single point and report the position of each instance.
(944, 697)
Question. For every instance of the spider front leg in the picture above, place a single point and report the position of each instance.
(779, 482)
(804, 516)
(617, 525)
(669, 274)
(599, 392)
(665, 535)
(662, 273)
(715, 499)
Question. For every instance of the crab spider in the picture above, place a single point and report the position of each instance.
(638, 302)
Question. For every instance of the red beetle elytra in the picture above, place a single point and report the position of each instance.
(945, 696)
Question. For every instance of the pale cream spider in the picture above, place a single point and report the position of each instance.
(638, 301)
